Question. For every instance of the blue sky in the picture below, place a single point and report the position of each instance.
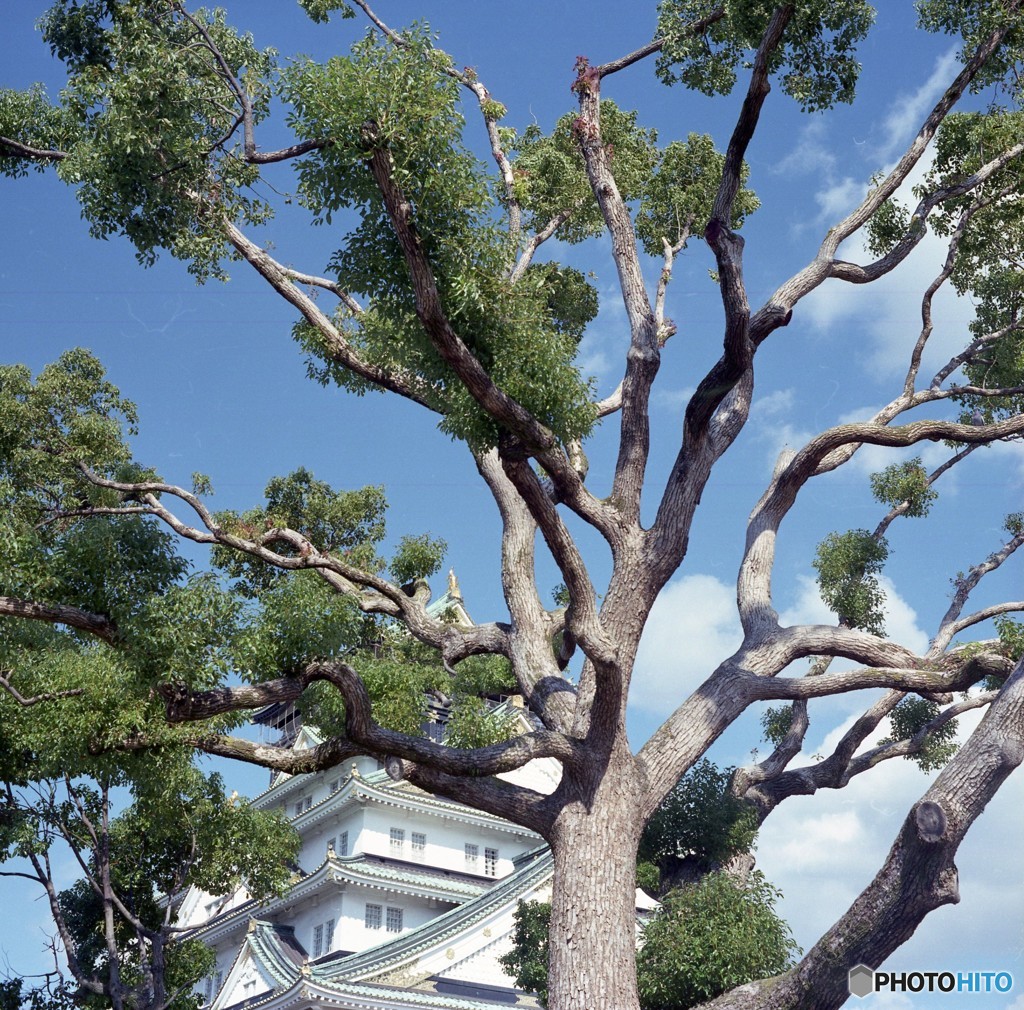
(222, 389)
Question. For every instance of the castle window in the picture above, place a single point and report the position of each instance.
(323, 938)
(472, 856)
(419, 846)
(335, 785)
(398, 841)
(395, 916)
(491, 862)
(341, 849)
(373, 915)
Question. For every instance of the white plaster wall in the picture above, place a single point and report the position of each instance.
(348, 909)
(446, 840)
(483, 966)
(314, 838)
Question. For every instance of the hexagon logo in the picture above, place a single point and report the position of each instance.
(861, 981)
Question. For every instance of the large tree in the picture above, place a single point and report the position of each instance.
(435, 294)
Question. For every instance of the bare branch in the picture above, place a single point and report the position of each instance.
(10, 148)
(538, 240)
(778, 310)
(537, 439)
(919, 873)
(643, 356)
(951, 623)
(697, 27)
(6, 684)
(363, 734)
(372, 593)
(902, 679)
(546, 692)
(74, 617)
(282, 279)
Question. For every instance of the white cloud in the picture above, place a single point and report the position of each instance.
(908, 111)
(811, 153)
(889, 309)
(838, 199)
(901, 622)
(692, 628)
(771, 425)
(823, 850)
(671, 399)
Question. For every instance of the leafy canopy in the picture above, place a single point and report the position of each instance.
(709, 938)
(816, 61)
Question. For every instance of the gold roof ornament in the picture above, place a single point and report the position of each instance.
(453, 585)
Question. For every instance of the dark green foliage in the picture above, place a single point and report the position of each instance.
(28, 118)
(648, 878)
(551, 176)
(78, 32)
(473, 724)
(148, 126)
(570, 298)
(775, 723)
(905, 482)
(681, 192)
(527, 961)
(909, 717)
(990, 242)
(179, 830)
(816, 61)
(52, 995)
(415, 109)
(699, 820)
(321, 10)
(1011, 636)
(710, 937)
(299, 619)
(69, 412)
(848, 565)
(348, 524)
(417, 557)
(973, 22)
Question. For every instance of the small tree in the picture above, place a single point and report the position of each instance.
(710, 937)
(117, 924)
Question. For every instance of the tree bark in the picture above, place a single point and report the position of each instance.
(592, 939)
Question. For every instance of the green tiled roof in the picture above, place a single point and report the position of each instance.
(447, 925)
(334, 978)
(358, 868)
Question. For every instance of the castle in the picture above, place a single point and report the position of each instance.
(400, 899)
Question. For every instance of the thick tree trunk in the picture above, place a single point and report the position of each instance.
(593, 909)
